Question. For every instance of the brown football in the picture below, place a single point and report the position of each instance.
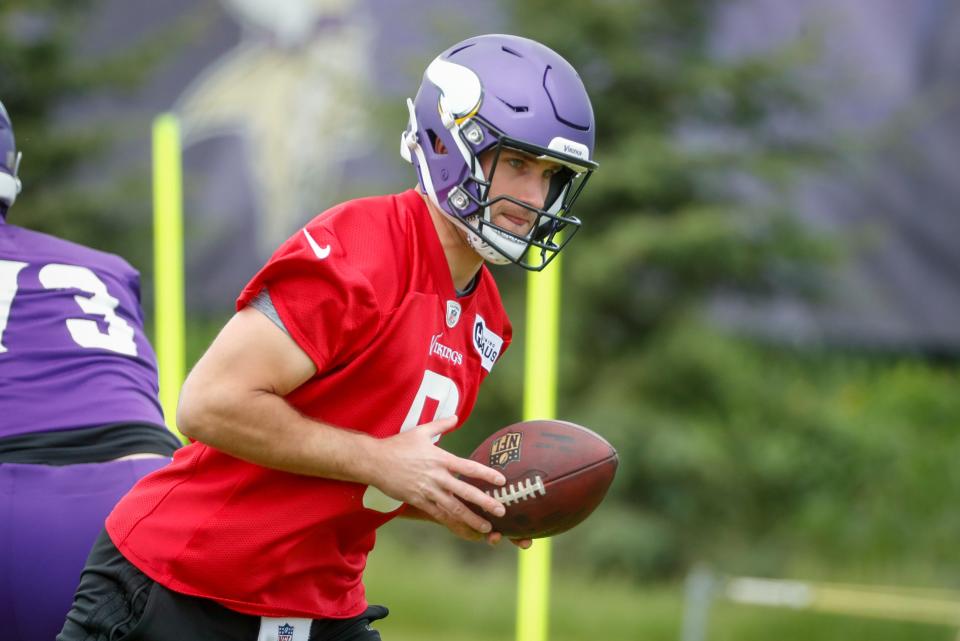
(557, 474)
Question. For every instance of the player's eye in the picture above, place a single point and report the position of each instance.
(516, 163)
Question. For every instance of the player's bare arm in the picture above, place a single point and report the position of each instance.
(233, 400)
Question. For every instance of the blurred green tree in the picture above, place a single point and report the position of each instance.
(733, 451)
(683, 137)
(58, 88)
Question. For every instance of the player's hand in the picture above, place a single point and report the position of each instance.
(494, 538)
(412, 469)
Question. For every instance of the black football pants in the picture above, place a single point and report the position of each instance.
(117, 602)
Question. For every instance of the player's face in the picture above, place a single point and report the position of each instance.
(522, 176)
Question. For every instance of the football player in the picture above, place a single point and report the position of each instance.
(79, 417)
(316, 411)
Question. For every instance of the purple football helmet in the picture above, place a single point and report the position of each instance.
(9, 162)
(489, 93)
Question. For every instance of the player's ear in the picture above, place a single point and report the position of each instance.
(438, 146)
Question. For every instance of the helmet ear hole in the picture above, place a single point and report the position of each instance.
(436, 143)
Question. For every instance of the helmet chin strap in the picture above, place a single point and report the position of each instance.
(487, 252)
(509, 245)
(479, 245)
(410, 146)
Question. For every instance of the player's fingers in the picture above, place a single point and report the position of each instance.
(431, 509)
(439, 426)
(457, 511)
(467, 467)
(494, 538)
(475, 495)
(461, 529)
(523, 544)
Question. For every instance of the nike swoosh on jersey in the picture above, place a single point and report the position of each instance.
(321, 252)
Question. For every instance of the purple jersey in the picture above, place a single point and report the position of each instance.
(73, 352)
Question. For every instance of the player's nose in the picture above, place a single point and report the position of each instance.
(533, 191)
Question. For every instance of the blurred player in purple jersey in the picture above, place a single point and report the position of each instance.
(79, 417)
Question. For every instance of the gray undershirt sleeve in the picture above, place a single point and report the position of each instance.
(262, 303)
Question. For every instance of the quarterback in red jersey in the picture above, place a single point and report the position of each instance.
(315, 412)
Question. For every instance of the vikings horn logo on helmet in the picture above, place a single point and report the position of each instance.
(460, 90)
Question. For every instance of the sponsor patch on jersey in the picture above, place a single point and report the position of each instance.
(486, 342)
(446, 353)
(453, 313)
(505, 449)
(274, 629)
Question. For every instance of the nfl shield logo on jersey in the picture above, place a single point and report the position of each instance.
(285, 632)
(453, 313)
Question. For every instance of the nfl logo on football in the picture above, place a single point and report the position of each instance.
(285, 632)
(505, 449)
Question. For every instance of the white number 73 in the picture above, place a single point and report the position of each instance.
(84, 332)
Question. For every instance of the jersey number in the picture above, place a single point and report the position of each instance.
(435, 388)
(98, 302)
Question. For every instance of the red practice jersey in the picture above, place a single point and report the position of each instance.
(365, 290)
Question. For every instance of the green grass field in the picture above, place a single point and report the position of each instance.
(434, 594)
